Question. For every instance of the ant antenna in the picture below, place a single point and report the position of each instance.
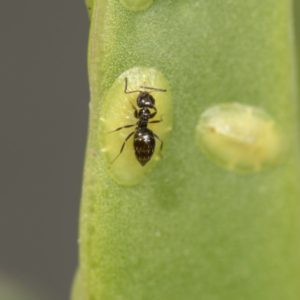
(152, 88)
(142, 87)
(126, 86)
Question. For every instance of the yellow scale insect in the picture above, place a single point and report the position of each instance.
(239, 137)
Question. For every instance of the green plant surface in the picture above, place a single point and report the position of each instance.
(191, 229)
(297, 31)
(89, 5)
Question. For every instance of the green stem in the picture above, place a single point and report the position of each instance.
(191, 229)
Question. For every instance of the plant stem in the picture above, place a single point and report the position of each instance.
(191, 229)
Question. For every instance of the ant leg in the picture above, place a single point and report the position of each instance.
(119, 128)
(122, 148)
(155, 121)
(153, 114)
(161, 142)
(125, 88)
(136, 114)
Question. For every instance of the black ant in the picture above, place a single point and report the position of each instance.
(144, 138)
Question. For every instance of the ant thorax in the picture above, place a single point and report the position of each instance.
(144, 114)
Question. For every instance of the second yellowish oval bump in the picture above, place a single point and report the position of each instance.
(239, 137)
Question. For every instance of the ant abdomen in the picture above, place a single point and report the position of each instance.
(144, 145)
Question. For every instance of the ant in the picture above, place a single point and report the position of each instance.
(144, 138)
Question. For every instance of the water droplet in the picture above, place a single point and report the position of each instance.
(136, 5)
(118, 111)
(239, 137)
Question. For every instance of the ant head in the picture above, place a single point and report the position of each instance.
(144, 99)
